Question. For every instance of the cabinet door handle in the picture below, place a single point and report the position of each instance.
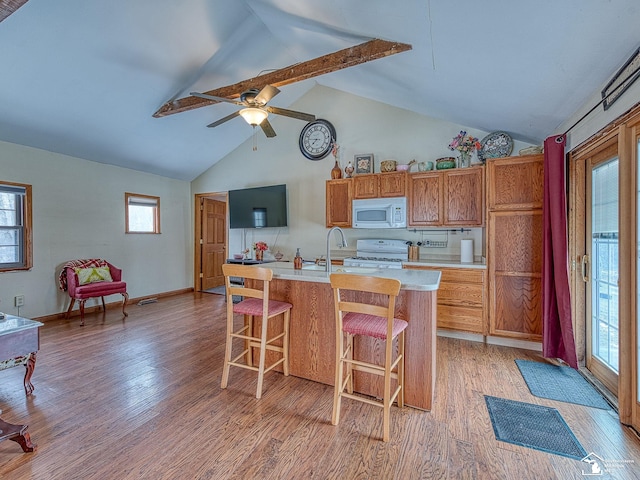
(584, 265)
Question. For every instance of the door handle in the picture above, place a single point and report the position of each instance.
(584, 265)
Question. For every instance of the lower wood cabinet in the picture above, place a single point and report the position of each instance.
(462, 299)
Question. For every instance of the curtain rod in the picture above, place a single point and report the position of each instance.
(606, 97)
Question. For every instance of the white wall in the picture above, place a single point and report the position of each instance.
(78, 212)
(363, 126)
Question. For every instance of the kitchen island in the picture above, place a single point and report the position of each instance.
(312, 328)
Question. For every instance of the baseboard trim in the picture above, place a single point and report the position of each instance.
(110, 305)
(502, 341)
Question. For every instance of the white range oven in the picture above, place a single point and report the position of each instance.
(379, 253)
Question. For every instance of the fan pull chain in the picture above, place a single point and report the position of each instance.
(255, 139)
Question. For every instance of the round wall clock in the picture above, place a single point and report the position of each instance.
(316, 139)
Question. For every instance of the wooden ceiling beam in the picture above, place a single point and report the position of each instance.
(365, 52)
(7, 7)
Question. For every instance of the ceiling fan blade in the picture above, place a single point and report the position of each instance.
(348, 57)
(213, 98)
(267, 128)
(307, 117)
(266, 94)
(224, 119)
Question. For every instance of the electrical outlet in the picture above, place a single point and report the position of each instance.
(19, 300)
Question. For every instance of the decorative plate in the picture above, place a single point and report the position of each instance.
(495, 145)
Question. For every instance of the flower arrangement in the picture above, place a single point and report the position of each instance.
(261, 246)
(466, 144)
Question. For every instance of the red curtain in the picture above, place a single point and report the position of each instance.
(557, 329)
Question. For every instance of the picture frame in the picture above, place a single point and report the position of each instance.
(622, 80)
(363, 163)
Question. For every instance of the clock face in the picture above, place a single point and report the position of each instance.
(316, 139)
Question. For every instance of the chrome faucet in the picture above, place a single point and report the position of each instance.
(344, 244)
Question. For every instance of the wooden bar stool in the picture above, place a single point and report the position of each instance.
(255, 303)
(353, 318)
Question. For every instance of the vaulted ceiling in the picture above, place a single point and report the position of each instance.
(84, 78)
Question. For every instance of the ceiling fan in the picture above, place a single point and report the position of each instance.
(255, 111)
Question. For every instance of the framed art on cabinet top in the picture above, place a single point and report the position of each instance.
(363, 163)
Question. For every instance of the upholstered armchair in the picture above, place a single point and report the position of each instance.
(91, 279)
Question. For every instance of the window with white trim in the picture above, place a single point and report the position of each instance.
(142, 213)
(15, 226)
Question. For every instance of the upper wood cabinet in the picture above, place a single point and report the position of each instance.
(365, 186)
(377, 185)
(425, 199)
(447, 198)
(464, 196)
(516, 183)
(338, 202)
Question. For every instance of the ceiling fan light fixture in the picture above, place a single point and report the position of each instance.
(253, 116)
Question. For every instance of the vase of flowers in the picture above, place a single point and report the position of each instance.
(260, 248)
(466, 145)
(336, 171)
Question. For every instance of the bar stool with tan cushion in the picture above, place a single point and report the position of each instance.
(377, 321)
(255, 303)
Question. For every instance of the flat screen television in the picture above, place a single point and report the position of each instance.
(259, 207)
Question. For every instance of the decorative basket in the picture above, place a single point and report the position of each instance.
(388, 165)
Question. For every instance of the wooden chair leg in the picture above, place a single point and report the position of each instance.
(104, 307)
(401, 369)
(349, 364)
(228, 346)
(285, 344)
(125, 299)
(248, 321)
(263, 352)
(71, 304)
(82, 312)
(386, 400)
(337, 389)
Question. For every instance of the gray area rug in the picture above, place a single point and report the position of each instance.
(221, 290)
(533, 426)
(216, 290)
(560, 383)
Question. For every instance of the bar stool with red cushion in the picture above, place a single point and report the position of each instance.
(255, 303)
(377, 321)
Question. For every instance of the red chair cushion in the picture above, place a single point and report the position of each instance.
(253, 306)
(100, 289)
(370, 325)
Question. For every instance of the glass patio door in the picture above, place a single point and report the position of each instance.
(601, 271)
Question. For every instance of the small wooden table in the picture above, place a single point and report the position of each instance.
(17, 433)
(19, 345)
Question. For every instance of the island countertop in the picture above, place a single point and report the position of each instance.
(418, 280)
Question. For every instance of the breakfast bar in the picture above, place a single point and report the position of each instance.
(312, 327)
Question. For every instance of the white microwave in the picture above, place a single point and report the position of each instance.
(379, 213)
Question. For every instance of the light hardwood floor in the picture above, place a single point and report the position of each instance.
(141, 399)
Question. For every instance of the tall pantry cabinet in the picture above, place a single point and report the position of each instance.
(514, 246)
